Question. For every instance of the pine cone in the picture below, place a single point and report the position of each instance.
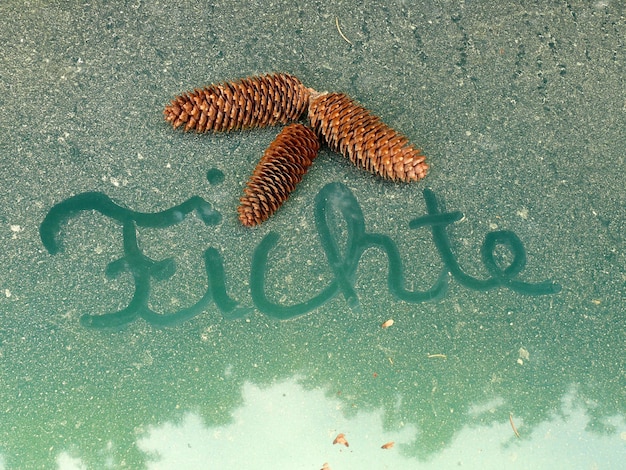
(369, 143)
(250, 102)
(281, 168)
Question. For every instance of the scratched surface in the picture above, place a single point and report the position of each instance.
(141, 326)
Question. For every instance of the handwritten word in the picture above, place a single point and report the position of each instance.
(334, 198)
(141, 267)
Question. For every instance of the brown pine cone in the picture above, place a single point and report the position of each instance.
(250, 102)
(352, 130)
(281, 168)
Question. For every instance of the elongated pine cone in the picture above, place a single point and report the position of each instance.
(281, 168)
(250, 102)
(356, 133)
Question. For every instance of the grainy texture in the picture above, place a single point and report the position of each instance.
(250, 102)
(281, 168)
(352, 130)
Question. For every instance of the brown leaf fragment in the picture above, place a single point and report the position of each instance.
(341, 439)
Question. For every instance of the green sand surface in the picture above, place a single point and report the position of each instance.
(185, 340)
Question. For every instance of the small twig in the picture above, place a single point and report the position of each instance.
(340, 33)
(513, 425)
(442, 356)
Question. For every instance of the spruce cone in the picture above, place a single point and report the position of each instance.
(356, 133)
(250, 102)
(281, 168)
